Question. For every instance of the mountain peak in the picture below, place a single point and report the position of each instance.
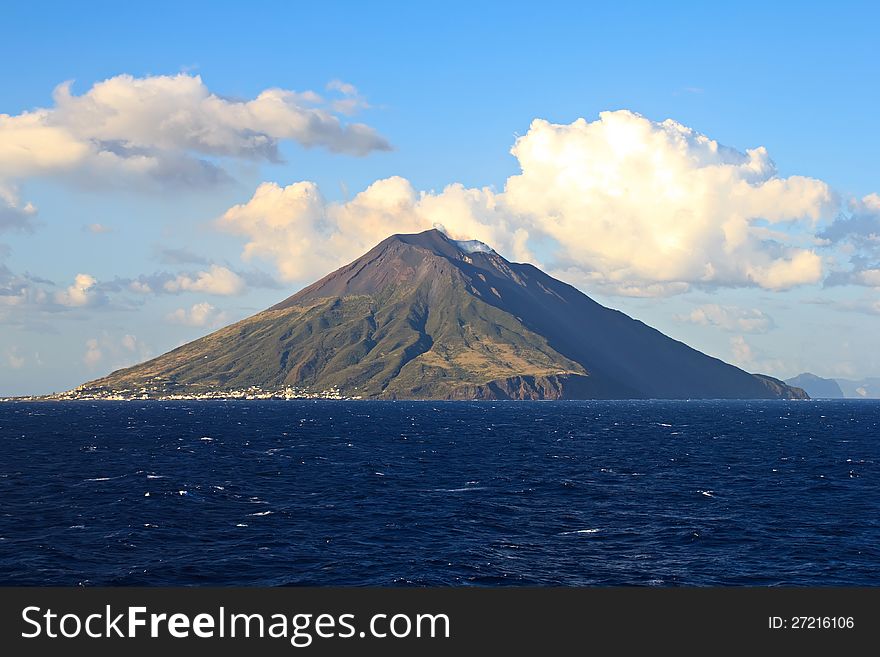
(401, 259)
(438, 241)
(433, 240)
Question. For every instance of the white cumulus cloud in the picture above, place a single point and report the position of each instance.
(633, 201)
(729, 318)
(200, 314)
(869, 277)
(164, 129)
(81, 293)
(215, 280)
(622, 203)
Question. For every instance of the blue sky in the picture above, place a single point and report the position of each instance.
(451, 88)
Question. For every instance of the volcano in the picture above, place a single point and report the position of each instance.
(423, 316)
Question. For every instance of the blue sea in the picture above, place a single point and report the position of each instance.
(654, 493)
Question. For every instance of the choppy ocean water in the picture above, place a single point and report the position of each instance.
(457, 493)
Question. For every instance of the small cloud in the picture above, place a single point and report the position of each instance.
(26, 301)
(140, 287)
(345, 88)
(855, 235)
(353, 101)
(750, 359)
(200, 314)
(80, 294)
(640, 290)
(861, 224)
(729, 318)
(117, 351)
(216, 280)
(93, 354)
(349, 106)
(98, 229)
(742, 351)
(14, 215)
(870, 277)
